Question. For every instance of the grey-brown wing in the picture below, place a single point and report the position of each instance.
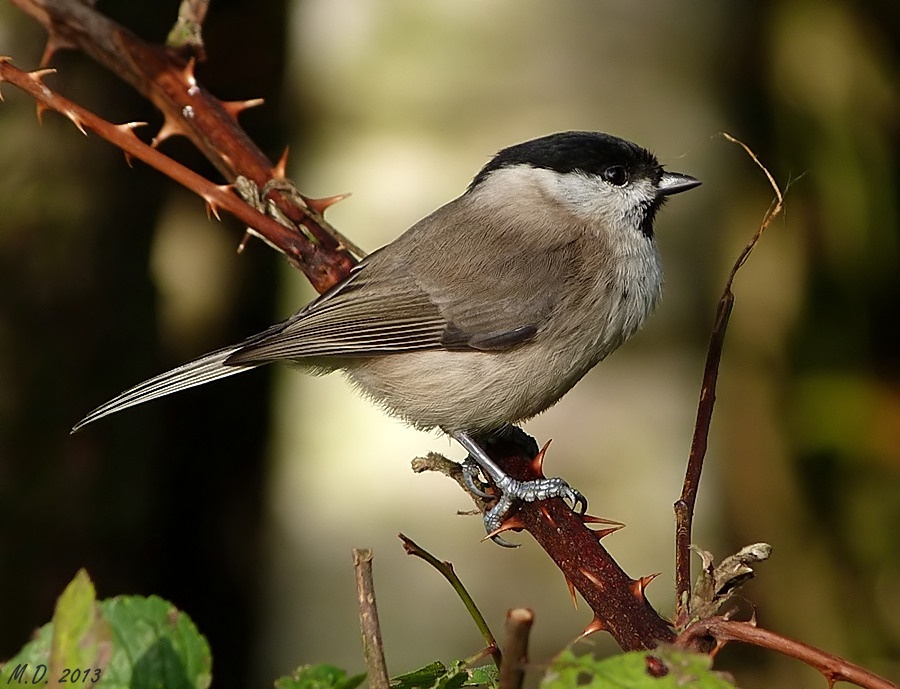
(413, 296)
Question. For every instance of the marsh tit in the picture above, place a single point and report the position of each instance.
(486, 312)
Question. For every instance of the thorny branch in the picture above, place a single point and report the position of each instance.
(310, 243)
(684, 507)
(167, 79)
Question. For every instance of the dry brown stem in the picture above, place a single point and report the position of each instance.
(369, 626)
(835, 669)
(684, 507)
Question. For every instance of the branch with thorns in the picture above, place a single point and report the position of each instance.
(260, 195)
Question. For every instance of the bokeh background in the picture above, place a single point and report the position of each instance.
(240, 502)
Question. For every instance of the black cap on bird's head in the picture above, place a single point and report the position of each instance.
(591, 153)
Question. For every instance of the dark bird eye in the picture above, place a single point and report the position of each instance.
(616, 175)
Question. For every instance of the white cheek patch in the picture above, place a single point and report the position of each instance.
(594, 200)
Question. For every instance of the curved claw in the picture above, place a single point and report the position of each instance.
(499, 540)
(470, 471)
(576, 498)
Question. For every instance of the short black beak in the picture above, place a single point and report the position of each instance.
(675, 183)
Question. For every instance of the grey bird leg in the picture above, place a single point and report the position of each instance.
(511, 489)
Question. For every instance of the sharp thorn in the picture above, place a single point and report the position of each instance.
(280, 169)
(236, 107)
(169, 129)
(595, 626)
(321, 205)
(638, 586)
(603, 533)
(591, 519)
(537, 464)
(572, 592)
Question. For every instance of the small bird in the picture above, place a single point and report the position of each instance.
(486, 312)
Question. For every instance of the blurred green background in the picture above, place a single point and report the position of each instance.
(240, 502)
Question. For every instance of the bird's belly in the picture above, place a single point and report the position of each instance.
(469, 391)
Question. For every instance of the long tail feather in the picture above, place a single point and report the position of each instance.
(203, 370)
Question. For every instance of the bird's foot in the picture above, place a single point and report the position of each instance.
(511, 491)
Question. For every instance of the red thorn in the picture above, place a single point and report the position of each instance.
(280, 169)
(595, 626)
(129, 160)
(638, 586)
(38, 75)
(76, 120)
(40, 109)
(54, 43)
(591, 519)
(244, 240)
(188, 73)
(572, 592)
(512, 523)
(169, 129)
(720, 644)
(236, 107)
(537, 464)
(321, 205)
(603, 533)
(212, 207)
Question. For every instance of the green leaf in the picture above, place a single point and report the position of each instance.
(486, 675)
(319, 677)
(156, 646)
(423, 677)
(125, 642)
(438, 676)
(81, 637)
(74, 648)
(657, 669)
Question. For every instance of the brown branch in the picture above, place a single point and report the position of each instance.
(373, 648)
(122, 135)
(834, 668)
(165, 78)
(515, 648)
(617, 601)
(684, 507)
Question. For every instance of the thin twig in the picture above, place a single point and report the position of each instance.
(684, 507)
(446, 570)
(373, 648)
(834, 668)
(515, 648)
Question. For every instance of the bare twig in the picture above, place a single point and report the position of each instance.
(373, 648)
(446, 570)
(515, 648)
(834, 668)
(684, 507)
